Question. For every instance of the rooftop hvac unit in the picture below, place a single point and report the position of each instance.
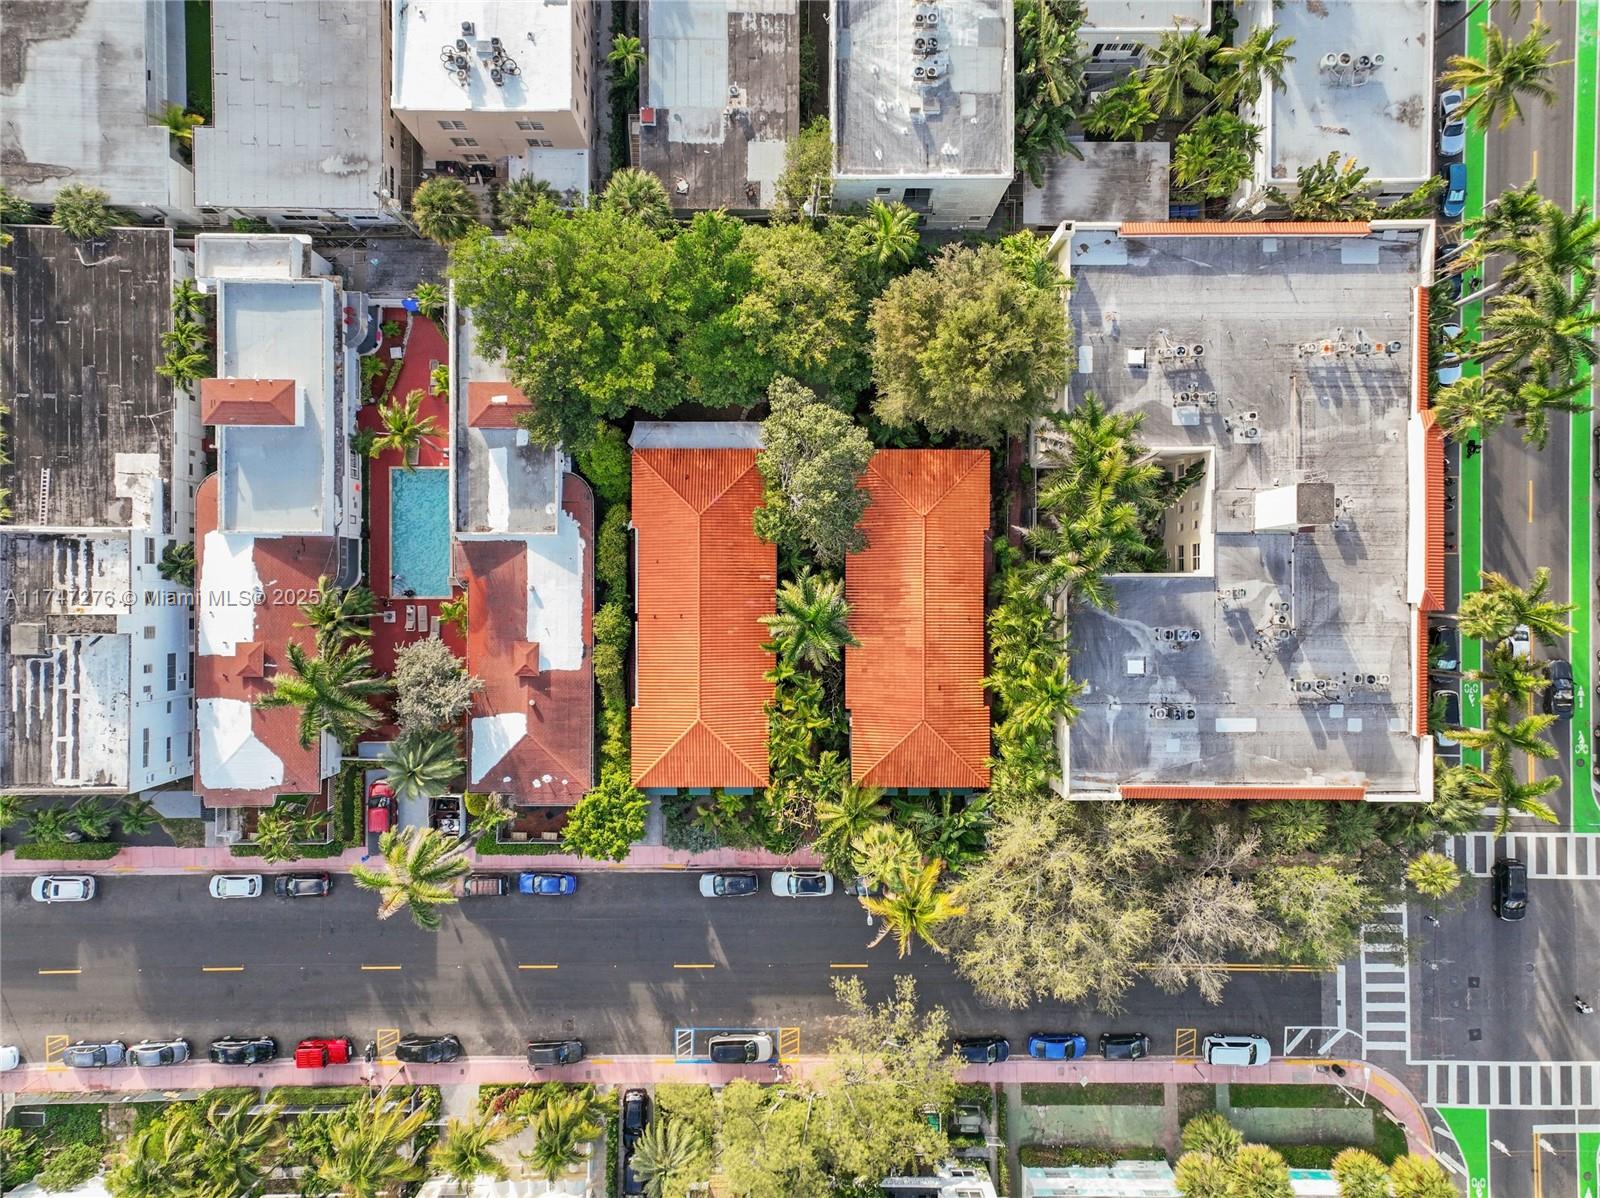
(1329, 61)
(1197, 351)
(468, 29)
(647, 117)
(1394, 347)
(497, 77)
(461, 45)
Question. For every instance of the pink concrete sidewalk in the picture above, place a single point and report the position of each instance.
(1361, 1078)
(142, 859)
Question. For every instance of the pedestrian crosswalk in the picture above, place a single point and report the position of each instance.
(1514, 1086)
(1560, 856)
(1385, 990)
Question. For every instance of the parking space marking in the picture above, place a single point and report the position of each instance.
(54, 1046)
(222, 969)
(381, 968)
(57, 973)
(538, 967)
(788, 1043)
(385, 1041)
(845, 965)
(1183, 1042)
(701, 965)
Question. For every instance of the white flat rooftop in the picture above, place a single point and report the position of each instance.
(536, 33)
(1144, 16)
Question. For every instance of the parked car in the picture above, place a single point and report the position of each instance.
(548, 885)
(427, 1050)
(147, 1054)
(380, 806)
(1444, 649)
(94, 1054)
(1561, 698)
(10, 1057)
(729, 885)
(554, 1053)
(1221, 1049)
(63, 888)
(243, 1050)
(983, 1050)
(635, 1114)
(1124, 1046)
(1449, 362)
(1510, 889)
(1455, 190)
(485, 885)
(1449, 717)
(1521, 641)
(1049, 1046)
(302, 885)
(231, 886)
(802, 883)
(740, 1049)
(317, 1051)
(1452, 129)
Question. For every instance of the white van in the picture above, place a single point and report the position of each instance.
(1236, 1050)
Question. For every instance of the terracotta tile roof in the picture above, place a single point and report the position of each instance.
(1259, 228)
(248, 401)
(1433, 485)
(1420, 665)
(495, 405)
(1424, 339)
(915, 686)
(1236, 793)
(704, 582)
(559, 704)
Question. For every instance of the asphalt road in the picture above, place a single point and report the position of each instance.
(619, 945)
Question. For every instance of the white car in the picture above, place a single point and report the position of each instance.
(1449, 363)
(1521, 641)
(226, 886)
(63, 888)
(1236, 1050)
(1452, 129)
(10, 1057)
(802, 883)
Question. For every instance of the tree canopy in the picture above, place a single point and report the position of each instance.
(812, 461)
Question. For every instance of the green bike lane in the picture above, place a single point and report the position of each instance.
(1469, 535)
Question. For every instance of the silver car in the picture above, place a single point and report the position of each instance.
(1452, 129)
(86, 1054)
(63, 888)
(149, 1053)
(232, 886)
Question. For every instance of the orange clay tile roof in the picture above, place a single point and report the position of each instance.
(915, 685)
(248, 401)
(1419, 664)
(1433, 497)
(495, 405)
(1423, 337)
(1253, 793)
(1259, 228)
(704, 582)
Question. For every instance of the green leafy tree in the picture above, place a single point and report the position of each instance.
(50, 825)
(811, 462)
(638, 195)
(466, 1152)
(69, 1166)
(92, 818)
(1509, 70)
(81, 212)
(452, 612)
(188, 301)
(419, 866)
(432, 686)
(967, 346)
(1360, 1175)
(559, 1132)
(1331, 188)
(1122, 113)
(1319, 909)
(1413, 1176)
(405, 428)
(369, 1147)
(178, 563)
(913, 906)
(608, 463)
(605, 824)
(812, 623)
(423, 762)
(443, 209)
(184, 337)
(184, 369)
(278, 834)
(13, 810)
(841, 818)
(883, 851)
(179, 123)
(713, 270)
(339, 614)
(438, 387)
(947, 829)
(333, 692)
(1215, 156)
(806, 184)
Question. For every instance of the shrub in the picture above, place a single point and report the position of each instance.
(81, 211)
(607, 463)
(60, 850)
(68, 1168)
(613, 626)
(611, 554)
(608, 673)
(432, 686)
(608, 820)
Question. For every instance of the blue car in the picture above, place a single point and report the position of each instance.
(1068, 1046)
(1455, 189)
(548, 884)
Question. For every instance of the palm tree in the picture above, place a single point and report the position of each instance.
(626, 57)
(454, 613)
(1260, 59)
(368, 1147)
(466, 1151)
(179, 123)
(1518, 678)
(666, 1146)
(1212, 1133)
(81, 211)
(844, 816)
(638, 194)
(444, 209)
(1520, 798)
(1559, 245)
(1215, 155)
(1505, 729)
(1535, 402)
(13, 810)
(404, 428)
(91, 817)
(883, 851)
(153, 1161)
(954, 835)
(559, 1132)
(1493, 612)
(419, 865)
(184, 337)
(178, 563)
(912, 906)
(331, 690)
(338, 615)
(1471, 405)
(811, 624)
(1551, 329)
(230, 1150)
(518, 200)
(891, 233)
(1433, 875)
(184, 369)
(188, 301)
(1419, 1177)
(430, 299)
(1122, 113)
(1508, 70)
(1256, 1171)
(423, 762)
(50, 825)
(1177, 65)
(136, 816)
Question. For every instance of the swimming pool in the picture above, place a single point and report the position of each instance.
(419, 532)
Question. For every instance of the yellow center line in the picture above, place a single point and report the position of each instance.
(672, 865)
(1538, 1169)
(222, 969)
(1530, 501)
(602, 1061)
(1535, 172)
(694, 967)
(381, 968)
(538, 967)
(52, 973)
(843, 965)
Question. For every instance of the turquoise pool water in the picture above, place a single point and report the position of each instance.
(419, 532)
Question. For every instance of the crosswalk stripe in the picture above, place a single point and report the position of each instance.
(1561, 856)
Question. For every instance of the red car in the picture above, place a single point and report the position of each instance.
(380, 806)
(318, 1051)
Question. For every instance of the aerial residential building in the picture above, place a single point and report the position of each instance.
(283, 509)
(1114, 180)
(922, 107)
(1118, 34)
(497, 88)
(1282, 653)
(105, 454)
(950, 1180)
(914, 683)
(1361, 84)
(719, 100)
(524, 529)
(703, 582)
(82, 85)
(301, 133)
(1144, 1179)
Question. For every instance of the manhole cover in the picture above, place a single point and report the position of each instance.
(1473, 983)
(1474, 1033)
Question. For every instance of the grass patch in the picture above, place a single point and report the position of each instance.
(1287, 1096)
(1095, 1094)
(1064, 1155)
(487, 846)
(978, 1093)
(186, 833)
(197, 55)
(1312, 1156)
(1388, 1138)
(299, 1096)
(1195, 1100)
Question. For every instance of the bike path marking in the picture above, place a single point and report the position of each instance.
(1470, 1127)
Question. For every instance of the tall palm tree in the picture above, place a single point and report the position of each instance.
(1050, 85)
(179, 123)
(1517, 677)
(811, 624)
(430, 299)
(231, 1151)
(136, 816)
(50, 825)
(188, 301)
(423, 762)
(404, 427)
(466, 1151)
(419, 865)
(1535, 402)
(184, 337)
(559, 1132)
(92, 817)
(1508, 71)
(1043, 693)
(81, 211)
(1552, 329)
(178, 563)
(912, 906)
(184, 368)
(369, 1147)
(1507, 729)
(638, 194)
(332, 691)
(444, 209)
(626, 56)
(665, 1147)
(518, 200)
(892, 233)
(884, 851)
(153, 1162)
(1468, 405)
(1177, 65)
(844, 816)
(1123, 113)
(338, 615)
(1516, 797)
(1261, 59)
(1559, 245)
(1493, 612)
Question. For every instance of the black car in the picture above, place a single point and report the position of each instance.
(1510, 889)
(243, 1050)
(549, 1053)
(1560, 698)
(635, 1114)
(983, 1050)
(1124, 1046)
(427, 1050)
(302, 885)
